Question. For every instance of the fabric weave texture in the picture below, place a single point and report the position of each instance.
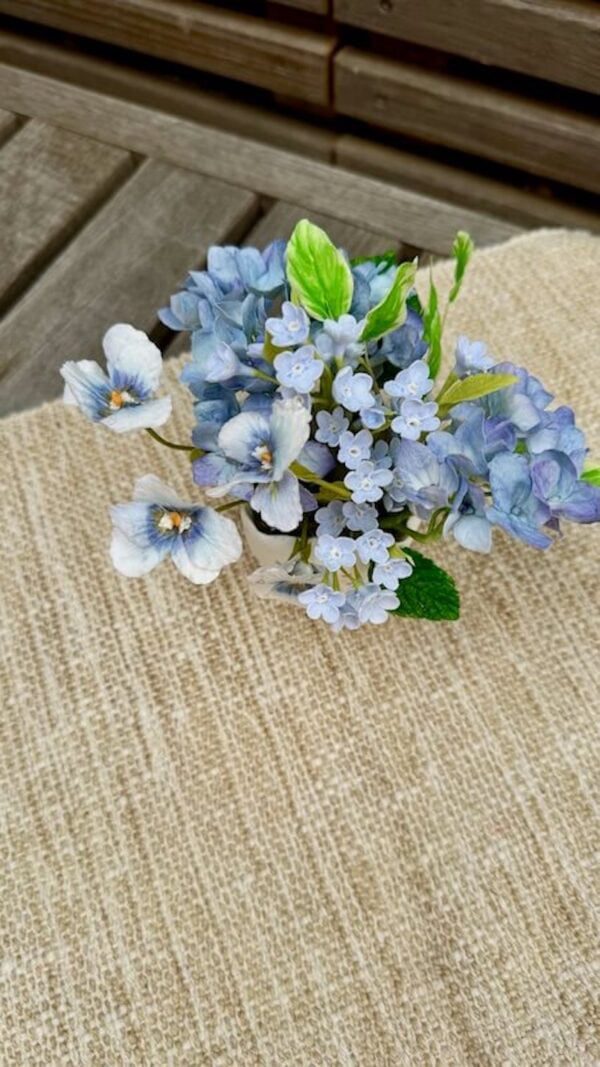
(231, 837)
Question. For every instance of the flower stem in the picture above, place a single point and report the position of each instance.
(229, 504)
(169, 444)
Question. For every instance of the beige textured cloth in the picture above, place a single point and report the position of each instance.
(230, 837)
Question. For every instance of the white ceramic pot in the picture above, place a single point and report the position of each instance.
(267, 549)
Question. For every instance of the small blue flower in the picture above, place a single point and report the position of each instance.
(415, 418)
(467, 520)
(354, 448)
(321, 602)
(515, 508)
(361, 517)
(556, 483)
(374, 604)
(156, 524)
(412, 383)
(335, 552)
(373, 547)
(373, 418)
(367, 481)
(338, 337)
(381, 454)
(406, 344)
(471, 357)
(331, 519)
(121, 399)
(390, 573)
(298, 370)
(353, 391)
(330, 425)
(292, 328)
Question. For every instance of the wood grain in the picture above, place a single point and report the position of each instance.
(268, 54)
(524, 207)
(50, 181)
(280, 220)
(122, 267)
(554, 39)
(8, 125)
(317, 7)
(179, 97)
(535, 136)
(397, 213)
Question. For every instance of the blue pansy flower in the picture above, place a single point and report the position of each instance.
(353, 391)
(467, 520)
(354, 448)
(122, 398)
(322, 602)
(156, 525)
(374, 546)
(367, 481)
(330, 426)
(555, 481)
(299, 370)
(416, 417)
(331, 519)
(471, 357)
(390, 573)
(515, 507)
(334, 552)
(292, 328)
(361, 517)
(412, 383)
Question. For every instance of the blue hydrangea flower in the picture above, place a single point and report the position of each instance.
(354, 448)
(467, 520)
(420, 478)
(374, 603)
(374, 546)
(223, 363)
(367, 481)
(515, 507)
(299, 370)
(390, 573)
(381, 455)
(156, 525)
(361, 517)
(339, 338)
(416, 417)
(555, 482)
(412, 383)
(406, 344)
(321, 602)
(471, 357)
(334, 552)
(331, 519)
(522, 404)
(292, 328)
(330, 426)
(121, 399)
(353, 391)
(557, 431)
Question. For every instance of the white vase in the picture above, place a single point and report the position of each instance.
(267, 549)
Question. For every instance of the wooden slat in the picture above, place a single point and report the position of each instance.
(280, 220)
(477, 191)
(554, 39)
(489, 122)
(317, 7)
(8, 125)
(154, 90)
(122, 267)
(50, 181)
(394, 212)
(264, 53)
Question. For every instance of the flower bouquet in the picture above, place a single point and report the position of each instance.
(320, 415)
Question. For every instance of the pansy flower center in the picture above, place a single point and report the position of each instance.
(264, 455)
(120, 398)
(174, 521)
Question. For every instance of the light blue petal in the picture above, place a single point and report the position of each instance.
(86, 385)
(132, 357)
(278, 503)
(140, 416)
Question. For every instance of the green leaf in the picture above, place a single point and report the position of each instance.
(473, 387)
(432, 331)
(415, 304)
(390, 312)
(318, 273)
(592, 476)
(462, 250)
(389, 258)
(429, 593)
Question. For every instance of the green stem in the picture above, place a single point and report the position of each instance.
(230, 504)
(169, 444)
(262, 374)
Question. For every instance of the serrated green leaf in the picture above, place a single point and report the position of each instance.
(473, 387)
(592, 476)
(318, 273)
(390, 259)
(429, 593)
(390, 312)
(462, 250)
(432, 331)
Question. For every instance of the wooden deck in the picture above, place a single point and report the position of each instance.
(105, 204)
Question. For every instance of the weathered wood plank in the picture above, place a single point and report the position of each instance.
(554, 39)
(122, 267)
(530, 134)
(316, 7)
(279, 221)
(8, 125)
(50, 181)
(264, 53)
(397, 213)
(156, 90)
(526, 208)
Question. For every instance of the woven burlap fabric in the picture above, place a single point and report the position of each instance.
(230, 837)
